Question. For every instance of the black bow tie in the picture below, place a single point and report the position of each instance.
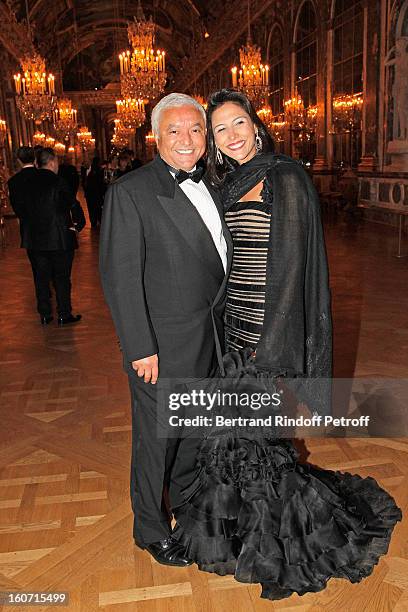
(196, 175)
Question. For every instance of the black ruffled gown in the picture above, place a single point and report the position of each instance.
(255, 512)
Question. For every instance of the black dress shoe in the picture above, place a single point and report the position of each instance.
(69, 319)
(169, 552)
(46, 320)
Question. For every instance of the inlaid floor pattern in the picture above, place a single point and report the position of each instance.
(65, 517)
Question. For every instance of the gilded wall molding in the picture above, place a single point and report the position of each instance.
(14, 35)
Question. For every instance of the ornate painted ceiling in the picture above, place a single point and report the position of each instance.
(84, 37)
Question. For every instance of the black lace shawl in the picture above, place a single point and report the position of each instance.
(297, 332)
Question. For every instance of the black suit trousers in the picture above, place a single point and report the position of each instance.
(94, 210)
(158, 472)
(52, 267)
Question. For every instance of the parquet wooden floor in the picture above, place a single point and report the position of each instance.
(65, 517)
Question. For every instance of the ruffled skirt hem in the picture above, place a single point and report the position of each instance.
(256, 513)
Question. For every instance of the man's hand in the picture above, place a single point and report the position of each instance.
(148, 367)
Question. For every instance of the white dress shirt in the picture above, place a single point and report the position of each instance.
(201, 199)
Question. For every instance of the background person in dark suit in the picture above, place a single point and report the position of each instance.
(37, 149)
(124, 164)
(95, 188)
(19, 184)
(164, 257)
(51, 217)
(70, 174)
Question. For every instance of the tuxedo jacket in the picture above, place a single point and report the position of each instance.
(20, 187)
(47, 210)
(69, 173)
(161, 273)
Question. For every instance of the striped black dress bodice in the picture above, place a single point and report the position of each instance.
(249, 224)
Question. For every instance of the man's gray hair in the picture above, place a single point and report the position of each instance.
(173, 100)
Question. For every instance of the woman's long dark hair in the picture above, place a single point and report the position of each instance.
(215, 170)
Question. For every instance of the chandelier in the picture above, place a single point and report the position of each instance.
(65, 118)
(121, 135)
(85, 138)
(275, 124)
(35, 91)
(295, 112)
(49, 142)
(347, 111)
(253, 76)
(311, 117)
(38, 139)
(3, 130)
(150, 139)
(131, 112)
(142, 70)
(59, 148)
(302, 121)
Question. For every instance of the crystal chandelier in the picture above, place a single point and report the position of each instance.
(121, 135)
(142, 70)
(347, 111)
(35, 91)
(150, 139)
(311, 117)
(295, 111)
(65, 118)
(59, 148)
(49, 142)
(85, 138)
(253, 76)
(38, 139)
(275, 124)
(3, 130)
(131, 112)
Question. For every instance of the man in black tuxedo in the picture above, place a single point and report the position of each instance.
(70, 174)
(165, 253)
(20, 185)
(50, 217)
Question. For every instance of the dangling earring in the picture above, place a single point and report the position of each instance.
(258, 143)
(218, 156)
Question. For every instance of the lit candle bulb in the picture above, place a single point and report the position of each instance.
(17, 81)
(234, 76)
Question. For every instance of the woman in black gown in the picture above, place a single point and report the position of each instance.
(253, 510)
